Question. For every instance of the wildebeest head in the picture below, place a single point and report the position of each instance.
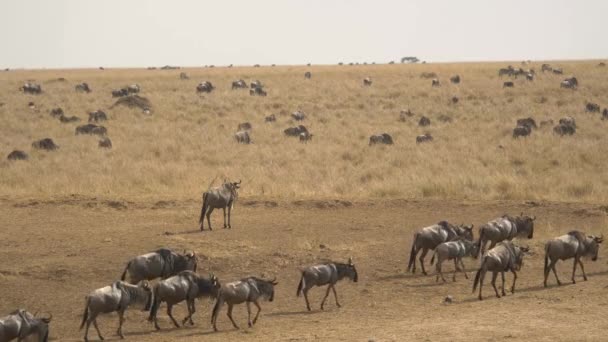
(145, 286)
(352, 270)
(191, 261)
(525, 223)
(593, 245)
(466, 231)
(519, 257)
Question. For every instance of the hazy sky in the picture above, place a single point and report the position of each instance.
(112, 33)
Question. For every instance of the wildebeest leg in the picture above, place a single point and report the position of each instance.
(574, 269)
(305, 292)
(326, 294)
(224, 210)
(333, 288)
(424, 251)
(229, 313)
(97, 328)
(255, 319)
(464, 270)
(209, 211)
(555, 272)
(249, 314)
(481, 276)
(502, 275)
(191, 310)
(229, 214)
(514, 279)
(169, 308)
(86, 330)
(455, 269)
(494, 275)
(580, 262)
(121, 319)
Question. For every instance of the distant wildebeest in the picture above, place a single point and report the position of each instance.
(424, 121)
(56, 112)
(105, 143)
(162, 263)
(305, 137)
(97, 116)
(605, 114)
(183, 76)
(569, 83)
(383, 138)
(558, 71)
(117, 297)
(133, 88)
(256, 65)
(256, 84)
(295, 131)
(504, 71)
(529, 76)
(568, 121)
(565, 127)
(592, 107)
(546, 67)
(508, 84)
(247, 290)
(68, 119)
(185, 286)
(257, 92)
(572, 245)
(242, 137)
(244, 126)
(504, 257)
(428, 238)
(45, 144)
(204, 87)
(367, 81)
(270, 118)
(83, 87)
(307, 75)
(601, 64)
(521, 131)
(31, 88)
(404, 114)
(91, 129)
(326, 274)
(120, 92)
(239, 84)
(424, 138)
(435, 82)
(222, 197)
(527, 122)
(17, 155)
(23, 326)
(298, 115)
(505, 228)
(455, 79)
(454, 250)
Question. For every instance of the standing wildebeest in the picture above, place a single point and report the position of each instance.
(246, 290)
(307, 75)
(326, 274)
(270, 118)
(504, 257)
(505, 228)
(256, 84)
(572, 245)
(453, 250)
(592, 107)
(508, 84)
(120, 92)
(185, 286)
(521, 131)
(527, 122)
(424, 121)
(21, 324)
(223, 197)
(105, 143)
(455, 79)
(204, 87)
(295, 131)
(17, 155)
(566, 126)
(424, 138)
(57, 112)
(239, 84)
(367, 81)
(383, 138)
(257, 92)
(305, 137)
(45, 144)
(97, 116)
(91, 129)
(298, 115)
(569, 83)
(428, 238)
(83, 87)
(116, 297)
(558, 71)
(31, 88)
(242, 137)
(244, 126)
(162, 263)
(133, 88)
(183, 76)
(435, 82)
(546, 67)
(605, 114)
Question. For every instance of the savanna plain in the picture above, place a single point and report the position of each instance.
(70, 219)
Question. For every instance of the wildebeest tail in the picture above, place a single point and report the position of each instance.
(478, 274)
(203, 209)
(433, 257)
(218, 305)
(547, 258)
(85, 315)
(480, 240)
(124, 273)
(155, 305)
(412, 253)
(301, 285)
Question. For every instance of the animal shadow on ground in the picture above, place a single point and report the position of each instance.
(295, 313)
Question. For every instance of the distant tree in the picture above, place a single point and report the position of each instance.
(410, 59)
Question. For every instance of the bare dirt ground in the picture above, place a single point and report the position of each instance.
(54, 251)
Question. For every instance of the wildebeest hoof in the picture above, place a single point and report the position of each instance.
(585, 278)
(250, 324)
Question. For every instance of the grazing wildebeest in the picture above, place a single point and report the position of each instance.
(298, 115)
(270, 118)
(242, 137)
(383, 138)
(183, 76)
(505, 228)
(185, 286)
(257, 92)
(605, 114)
(22, 325)
(521, 131)
(133, 88)
(105, 143)
(204, 87)
(239, 84)
(592, 107)
(17, 155)
(565, 127)
(295, 131)
(31, 88)
(91, 129)
(546, 67)
(505, 256)
(97, 116)
(527, 122)
(455, 79)
(68, 119)
(572, 245)
(83, 87)
(56, 112)
(162, 263)
(114, 298)
(435, 82)
(367, 81)
(424, 121)
(305, 137)
(558, 71)
(428, 238)
(508, 84)
(307, 75)
(120, 92)
(45, 144)
(223, 197)
(326, 274)
(455, 250)
(427, 137)
(247, 290)
(569, 83)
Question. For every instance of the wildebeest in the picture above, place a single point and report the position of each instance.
(298, 115)
(572, 245)
(566, 126)
(505, 256)
(105, 143)
(305, 137)
(568, 121)
(505, 71)
(256, 84)
(428, 238)
(247, 290)
(22, 325)
(31, 88)
(162, 263)
(455, 79)
(527, 122)
(83, 87)
(97, 116)
(17, 155)
(521, 131)
(424, 121)
(558, 71)
(56, 112)
(427, 137)
(185, 286)
(270, 118)
(367, 81)
(307, 75)
(505, 228)
(592, 107)
(404, 114)
(295, 131)
(222, 197)
(68, 119)
(133, 88)
(204, 87)
(244, 126)
(91, 129)
(45, 144)
(117, 297)
(601, 64)
(508, 84)
(569, 83)
(239, 84)
(435, 82)
(257, 92)
(453, 250)
(326, 274)
(120, 92)
(242, 137)
(383, 138)
(183, 76)
(546, 67)
(605, 114)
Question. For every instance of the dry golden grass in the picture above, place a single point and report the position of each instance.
(188, 141)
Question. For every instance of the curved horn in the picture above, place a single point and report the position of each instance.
(47, 319)
(239, 182)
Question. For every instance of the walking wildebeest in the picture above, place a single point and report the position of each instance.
(204, 87)
(572, 245)
(120, 92)
(367, 81)
(133, 88)
(455, 250)
(105, 143)
(256, 84)
(17, 155)
(45, 144)
(97, 116)
(569, 83)
(295, 131)
(21, 324)
(435, 82)
(162, 263)
(91, 129)
(546, 67)
(270, 118)
(521, 131)
(527, 122)
(428, 238)
(298, 115)
(566, 126)
(83, 87)
(326, 274)
(239, 84)
(605, 114)
(68, 119)
(257, 92)
(455, 79)
(246, 290)
(116, 297)
(31, 88)
(503, 257)
(383, 138)
(558, 71)
(305, 137)
(424, 138)
(592, 107)
(508, 84)
(307, 75)
(185, 286)
(242, 137)
(505, 228)
(223, 197)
